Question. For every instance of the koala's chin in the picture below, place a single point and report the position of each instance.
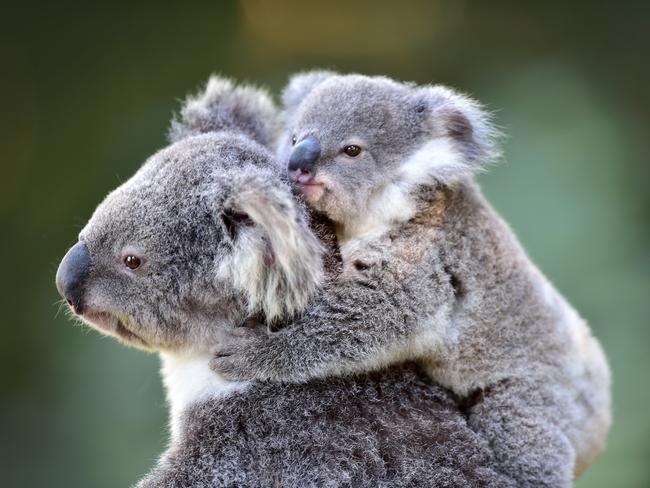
(325, 194)
(112, 325)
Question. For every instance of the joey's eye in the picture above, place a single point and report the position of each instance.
(132, 262)
(293, 140)
(352, 150)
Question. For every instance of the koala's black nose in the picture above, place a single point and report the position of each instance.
(71, 275)
(304, 155)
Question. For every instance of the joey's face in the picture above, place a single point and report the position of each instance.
(346, 141)
(146, 268)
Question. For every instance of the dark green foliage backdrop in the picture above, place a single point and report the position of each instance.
(87, 95)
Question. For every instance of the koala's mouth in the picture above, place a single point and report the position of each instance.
(311, 190)
(110, 324)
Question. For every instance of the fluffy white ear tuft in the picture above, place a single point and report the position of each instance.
(463, 138)
(277, 261)
(224, 106)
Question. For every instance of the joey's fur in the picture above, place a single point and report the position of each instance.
(218, 237)
(431, 272)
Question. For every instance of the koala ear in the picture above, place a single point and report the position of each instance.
(299, 87)
(463, 140)
(224, 106)
(233, 221)
(276, 260)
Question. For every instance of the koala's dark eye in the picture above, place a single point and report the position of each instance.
(293, 140)
(352, 150)
(132, 262)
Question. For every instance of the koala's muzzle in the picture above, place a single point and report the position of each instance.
(71, 275)
(304, 155)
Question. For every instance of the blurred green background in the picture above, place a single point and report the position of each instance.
(87, 95)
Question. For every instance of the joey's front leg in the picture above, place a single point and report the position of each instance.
(354, 321)
(252, 351)
(295, 353)
(292, 354)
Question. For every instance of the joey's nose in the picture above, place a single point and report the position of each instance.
(71, 275)
(304, 155)
(301, 176)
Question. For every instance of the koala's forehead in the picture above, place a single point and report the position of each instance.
(148, 214)
(174, 191)
(355, 103)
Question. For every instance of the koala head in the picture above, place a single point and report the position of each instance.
(203, 235)
(353, 141)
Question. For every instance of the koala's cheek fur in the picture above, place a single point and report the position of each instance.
(361, 204)
(116, 306)
(344, 193)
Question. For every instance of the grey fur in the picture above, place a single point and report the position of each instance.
(299, 87)
(442, 279)
(222, 105)
(205, 216)
(377, 430)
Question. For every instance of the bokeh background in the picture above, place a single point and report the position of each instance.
(87, 93)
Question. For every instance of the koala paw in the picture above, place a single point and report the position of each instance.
(240, 354)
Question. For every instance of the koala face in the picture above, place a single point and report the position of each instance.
(350, 136)
(187, 246)
(347, 136)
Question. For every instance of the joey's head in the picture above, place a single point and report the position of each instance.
(353, 142)
(203, 235)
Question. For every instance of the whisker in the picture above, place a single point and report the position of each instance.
(60, 304)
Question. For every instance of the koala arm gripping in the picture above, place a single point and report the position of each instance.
(374, 312)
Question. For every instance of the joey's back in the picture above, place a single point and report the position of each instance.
(504, 308)
(507, 322)
(481, 316)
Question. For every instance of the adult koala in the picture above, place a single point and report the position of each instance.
(207, 234)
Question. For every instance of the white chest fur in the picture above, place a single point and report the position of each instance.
(188, 380)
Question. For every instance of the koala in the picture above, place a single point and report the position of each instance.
(207, 234)
(430, 273)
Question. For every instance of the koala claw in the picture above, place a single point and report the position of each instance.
(236, 357)
(226, 366)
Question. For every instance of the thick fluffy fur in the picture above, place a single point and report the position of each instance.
(434, 274)
(205, 215)
(222, 105)
(278, 267)
(386, 429)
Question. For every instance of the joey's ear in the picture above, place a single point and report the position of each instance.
(224, 106)
(299, 87)
(463, 138)
(277, 260)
